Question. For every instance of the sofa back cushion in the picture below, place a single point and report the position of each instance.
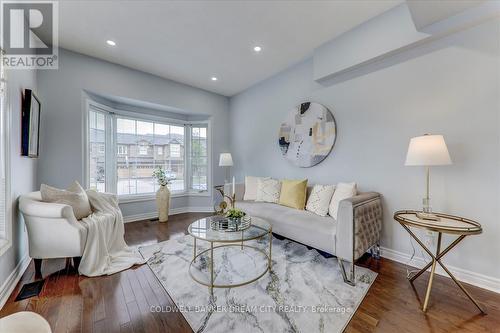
(342, 191)
(268, 190)
(319, 199)
(293, 193)
(251, 184)
(75, 196)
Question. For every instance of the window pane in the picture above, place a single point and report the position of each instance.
(199, 162)
(97, 150)
(147, 146)
(173, 158)
(125, 126)
(144, 128)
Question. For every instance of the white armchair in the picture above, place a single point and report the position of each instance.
(53, 230)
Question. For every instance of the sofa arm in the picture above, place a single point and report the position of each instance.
(45, 209)
(359, 225)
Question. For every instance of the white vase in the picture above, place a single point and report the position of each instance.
(163, 203)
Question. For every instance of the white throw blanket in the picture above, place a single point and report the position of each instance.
(105, 251)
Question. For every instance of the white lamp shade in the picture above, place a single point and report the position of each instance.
(225, 159)
(427, 150)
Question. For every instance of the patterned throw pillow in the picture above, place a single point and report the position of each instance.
(342, 191)
(251, 184)
(319, 199)
(268, 190)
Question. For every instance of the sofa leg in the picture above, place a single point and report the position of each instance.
(351, 279)
(76, 262)
(375, 251)
(38, 267)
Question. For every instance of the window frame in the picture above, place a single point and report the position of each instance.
(199, 124)
(111, 159)
(6, 237)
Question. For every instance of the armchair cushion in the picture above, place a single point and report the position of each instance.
(75, 196)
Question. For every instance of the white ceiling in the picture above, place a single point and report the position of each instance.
(191, 41)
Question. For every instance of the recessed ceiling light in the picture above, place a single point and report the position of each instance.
(214, 78)
(257, 48)
(110, 42)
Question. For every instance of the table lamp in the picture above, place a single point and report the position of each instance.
(226, 160)
(427, 150)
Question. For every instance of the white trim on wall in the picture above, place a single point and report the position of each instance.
(174, 211)
(463, 275)
(12, 280)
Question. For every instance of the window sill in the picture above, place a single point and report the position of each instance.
(152, 196)
(4, 246)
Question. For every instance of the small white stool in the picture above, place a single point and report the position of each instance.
(24, 321)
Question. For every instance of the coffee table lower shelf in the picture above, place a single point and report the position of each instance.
(211, 283)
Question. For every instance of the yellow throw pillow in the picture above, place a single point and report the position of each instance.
(293, 193)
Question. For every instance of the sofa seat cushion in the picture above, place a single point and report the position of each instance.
(299, 225)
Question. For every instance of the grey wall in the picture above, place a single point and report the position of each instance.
(62, 93)
(23, 170)
(450, 87)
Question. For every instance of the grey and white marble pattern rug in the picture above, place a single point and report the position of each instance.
(304, 292)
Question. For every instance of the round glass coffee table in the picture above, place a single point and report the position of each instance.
(235, 244)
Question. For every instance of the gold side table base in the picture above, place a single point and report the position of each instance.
(436, 259)
(241, 244)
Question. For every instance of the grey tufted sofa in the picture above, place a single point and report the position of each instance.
(356, 230)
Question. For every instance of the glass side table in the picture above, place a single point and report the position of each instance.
(447, 224)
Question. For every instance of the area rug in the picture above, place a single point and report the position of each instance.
(304, 292)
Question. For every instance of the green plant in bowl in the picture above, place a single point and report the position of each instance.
(235, 214)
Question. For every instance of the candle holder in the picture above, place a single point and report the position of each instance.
(220, 209)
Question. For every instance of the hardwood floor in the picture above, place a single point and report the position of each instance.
(121, 302)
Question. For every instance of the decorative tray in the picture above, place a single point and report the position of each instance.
(224, 224)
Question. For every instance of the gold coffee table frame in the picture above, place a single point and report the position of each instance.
(448, 224)
(229, 243)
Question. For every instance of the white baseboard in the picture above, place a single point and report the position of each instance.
(10, 284)
(476, 279)
(174, 211)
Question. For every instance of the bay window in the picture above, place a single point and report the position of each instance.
(134, 145)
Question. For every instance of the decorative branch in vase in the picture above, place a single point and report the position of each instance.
(163, 193)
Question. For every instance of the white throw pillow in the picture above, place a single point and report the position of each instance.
(319, 199)
(342, 191)
(251, 184)
(75, 196)
(268, 190)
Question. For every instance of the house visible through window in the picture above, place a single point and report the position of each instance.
(175, 150)
(199, 157)
(97, 153)
(122, 150)
(143, 149)
(141, 146)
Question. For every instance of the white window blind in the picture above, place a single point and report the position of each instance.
(3, 154)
